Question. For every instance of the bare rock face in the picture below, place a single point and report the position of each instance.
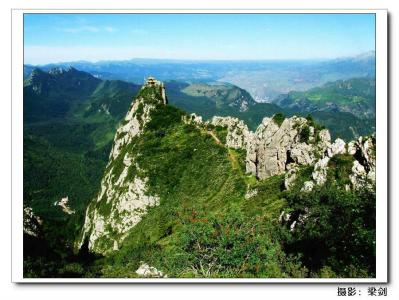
(319, 174)
(238, 134)
(363, 170)
(32, 222)
(338, 147)
(272, 148)
(146, 271)
(290, 177)
(123, 198)
(307, 186)
(325, 138)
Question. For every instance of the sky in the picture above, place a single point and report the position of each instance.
(51, 38)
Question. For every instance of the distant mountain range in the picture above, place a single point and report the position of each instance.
(264, 80)
(346, 107)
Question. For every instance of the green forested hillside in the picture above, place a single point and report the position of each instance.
(204, 225)
(356, 95)
(67, 139)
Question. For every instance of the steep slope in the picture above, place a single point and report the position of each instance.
(54, 93)
(219, 99)
(110, 100)
(222, 95)
(122, 199)
(185, 198)
(356, 96)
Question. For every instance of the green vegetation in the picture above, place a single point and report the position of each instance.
(221, 133)
(279, 119)
(339, 232)
(205, 225)
(209, 100)
(304, 134)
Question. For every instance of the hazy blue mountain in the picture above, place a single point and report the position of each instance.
(264, 80)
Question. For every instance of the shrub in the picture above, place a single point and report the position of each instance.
(338, 236)
(279, 118)
(229, 246)
(304, 134)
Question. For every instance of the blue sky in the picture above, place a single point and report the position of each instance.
(69, 37)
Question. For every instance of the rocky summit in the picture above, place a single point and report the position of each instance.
(122, 200)
(182, 196)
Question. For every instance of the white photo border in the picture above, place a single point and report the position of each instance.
(17, 61)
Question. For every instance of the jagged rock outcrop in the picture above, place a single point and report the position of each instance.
(307, 186)
(194, 118)
(32, 222)
(274, 149)
(250, 194)
(338, 147)
(290, 177)
(363, 170)
(123, 198)
(63, 203)
(136, 118)
(146, 271)
(294, 219)
(319, 174)
(238, 133)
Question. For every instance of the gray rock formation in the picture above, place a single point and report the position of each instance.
(363, 170)
(338, 147)
(307, 186)
(319, 174)
(123, 198)
(238, 134)
(274, 149)
(146, 271)
(290, 177)
(31, 223)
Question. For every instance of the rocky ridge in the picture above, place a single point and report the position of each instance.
(123, 199)
(278, 146)
(275, 149)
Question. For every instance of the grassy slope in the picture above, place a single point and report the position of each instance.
(201, 185)
(352, 91)
(201, 188)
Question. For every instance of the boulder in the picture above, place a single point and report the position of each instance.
(338, 147)
(146, 271)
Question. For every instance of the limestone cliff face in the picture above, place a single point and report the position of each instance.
(238, 133)
(363, 170)
(123, 198)
(274, 149)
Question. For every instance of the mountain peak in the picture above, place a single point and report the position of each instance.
(153, 90)
(61, 70)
